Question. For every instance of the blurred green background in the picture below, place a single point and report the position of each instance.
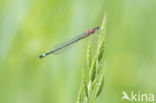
(29, 28)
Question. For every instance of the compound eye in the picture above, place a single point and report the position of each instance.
(97, 27)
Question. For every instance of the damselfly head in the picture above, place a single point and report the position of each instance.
(97, 27)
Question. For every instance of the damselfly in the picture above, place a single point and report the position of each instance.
(61, 46)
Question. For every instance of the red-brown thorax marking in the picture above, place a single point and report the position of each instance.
(90, 31)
